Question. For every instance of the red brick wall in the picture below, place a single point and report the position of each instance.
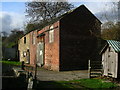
(33, 47)
(51, 58)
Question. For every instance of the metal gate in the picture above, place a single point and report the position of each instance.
(40, 54)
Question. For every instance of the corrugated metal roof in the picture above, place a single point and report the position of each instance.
(114, 44)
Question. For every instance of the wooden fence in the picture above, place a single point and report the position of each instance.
(31, 76)
(95, 69)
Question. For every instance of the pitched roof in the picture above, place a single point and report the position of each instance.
(64, 15)
(70, 11)
(114, 44)
(81, 7)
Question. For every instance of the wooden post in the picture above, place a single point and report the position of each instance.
(23, 66)
(35, 75)
(89, 69)
(35, 71)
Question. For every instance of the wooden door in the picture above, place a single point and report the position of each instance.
(112, 64)
(105, 63)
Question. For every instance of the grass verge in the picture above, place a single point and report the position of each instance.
(11, 63)
(96, 83)
(75, 84)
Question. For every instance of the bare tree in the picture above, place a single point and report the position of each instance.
(40, 12)
(110, 29)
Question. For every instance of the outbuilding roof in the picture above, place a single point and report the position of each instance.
(114, 44)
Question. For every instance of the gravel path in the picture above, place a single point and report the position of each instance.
(46, 75)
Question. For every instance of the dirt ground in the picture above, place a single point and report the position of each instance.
(46, 75)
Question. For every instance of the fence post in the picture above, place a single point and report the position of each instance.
(23, 65)
(89, 69)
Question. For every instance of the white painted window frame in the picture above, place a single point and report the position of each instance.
(51, 34)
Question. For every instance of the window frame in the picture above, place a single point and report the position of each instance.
(51, 34)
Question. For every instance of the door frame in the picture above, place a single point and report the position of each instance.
(38, 44)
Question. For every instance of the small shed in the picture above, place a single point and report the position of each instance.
(111, 59)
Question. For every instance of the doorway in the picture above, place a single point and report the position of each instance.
(40, 54)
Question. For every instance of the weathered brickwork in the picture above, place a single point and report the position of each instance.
(33, 46)
(51, 55)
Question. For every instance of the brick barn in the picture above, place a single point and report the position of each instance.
(68, 42)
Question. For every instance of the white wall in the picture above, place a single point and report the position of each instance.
(110, 62)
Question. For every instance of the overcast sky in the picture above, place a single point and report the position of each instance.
(12, 14)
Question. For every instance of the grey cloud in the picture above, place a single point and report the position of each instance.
(11, 21)
(107, 16)
(6, 21)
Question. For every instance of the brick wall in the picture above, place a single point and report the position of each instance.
(51, 55)
(33, 45)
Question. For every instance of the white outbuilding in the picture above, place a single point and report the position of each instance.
(111, 59)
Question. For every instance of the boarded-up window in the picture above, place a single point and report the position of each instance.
(51, 34)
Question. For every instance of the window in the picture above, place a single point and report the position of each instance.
(24, 40)
(24, 54)
(51, 35)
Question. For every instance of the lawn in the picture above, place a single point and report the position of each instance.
(75, 84)
(96, 83)
(11, 63)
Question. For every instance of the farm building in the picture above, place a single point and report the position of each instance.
(68, 42)
(111, 59)
(24, 48)
(27, 47)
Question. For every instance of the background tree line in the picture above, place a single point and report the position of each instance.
(111, 28)
(111, 31)
(11, 40)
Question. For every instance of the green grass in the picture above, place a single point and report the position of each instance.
(11, 63)
(75, 84)
(96, 83)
